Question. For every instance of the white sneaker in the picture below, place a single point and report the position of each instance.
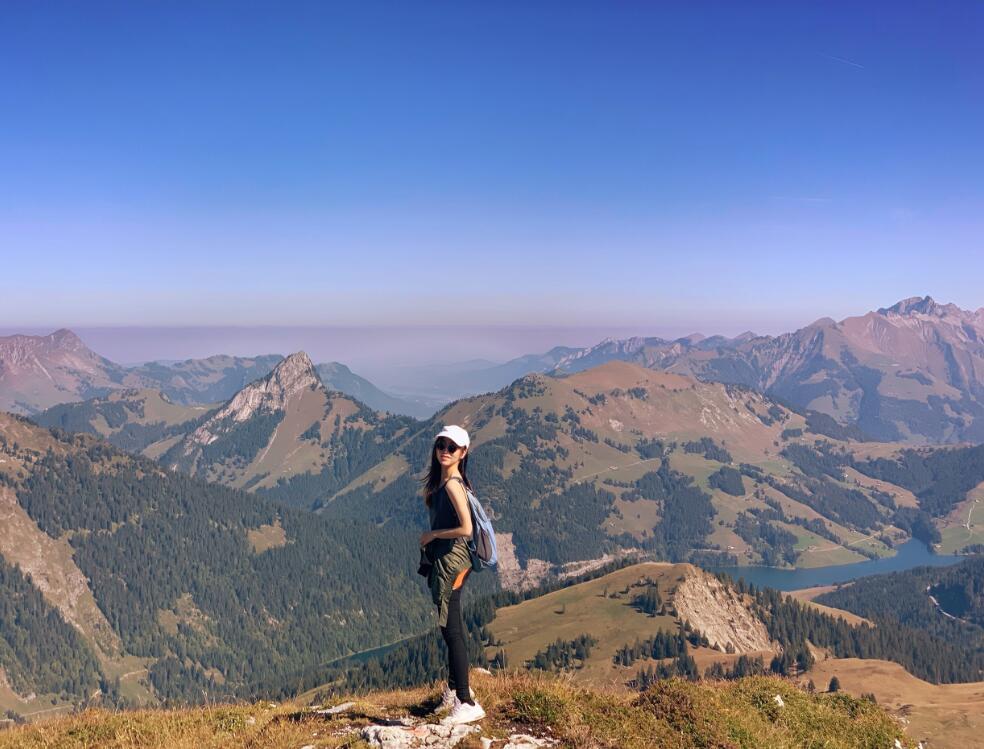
(462, 712)
(448, 698)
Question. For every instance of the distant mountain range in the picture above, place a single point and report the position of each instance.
(37, 372)
(912, 372)
(283, 430)
(629, 455)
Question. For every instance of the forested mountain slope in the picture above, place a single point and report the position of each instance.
(621, 456)
(129, 419)
(215, 588)
(626, 456)
(287, 436)
(947, 603)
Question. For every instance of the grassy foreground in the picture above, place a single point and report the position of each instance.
(674, 714)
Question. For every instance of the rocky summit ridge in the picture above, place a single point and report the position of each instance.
(927, 306)
(37, 371)
(269, 394)
(911, 372)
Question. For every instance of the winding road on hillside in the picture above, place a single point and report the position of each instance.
(941, 609)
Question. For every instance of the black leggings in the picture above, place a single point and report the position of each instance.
(454, 638)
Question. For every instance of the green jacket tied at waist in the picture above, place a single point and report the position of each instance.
(443, 572)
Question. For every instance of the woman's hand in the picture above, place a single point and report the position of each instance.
(426, 537)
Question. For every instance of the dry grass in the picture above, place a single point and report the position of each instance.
(226, 726)
(267, 537)
(673, 715)
(806, 595)
(950, 716)
(530, 626)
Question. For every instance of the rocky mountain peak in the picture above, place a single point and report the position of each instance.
(822, 322)
(924, 305)
(293, 375)
(296, 370)
(25, 354)
(64, 338)
(60, 340)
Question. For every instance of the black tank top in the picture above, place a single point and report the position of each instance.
(442, 516)
(442, 512)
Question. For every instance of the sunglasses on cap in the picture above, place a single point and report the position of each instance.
(443, 445)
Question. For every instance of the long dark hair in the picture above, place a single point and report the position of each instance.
(432, 481)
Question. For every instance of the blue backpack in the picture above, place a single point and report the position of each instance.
(481, 546)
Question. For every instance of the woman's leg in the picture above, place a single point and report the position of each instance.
(454, 638)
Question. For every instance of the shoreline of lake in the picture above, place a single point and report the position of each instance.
(912, 553)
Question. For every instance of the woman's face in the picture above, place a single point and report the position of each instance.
(448, 453)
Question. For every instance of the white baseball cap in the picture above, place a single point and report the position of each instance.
(454, 433)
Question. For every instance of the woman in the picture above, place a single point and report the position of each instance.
(446, 562)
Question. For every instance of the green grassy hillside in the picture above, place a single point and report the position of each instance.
(627, 457)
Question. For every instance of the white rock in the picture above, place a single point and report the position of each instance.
(778, 701)
(422, 736)
(525, 741)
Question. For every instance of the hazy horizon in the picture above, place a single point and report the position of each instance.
(377, 351)
(369, 350)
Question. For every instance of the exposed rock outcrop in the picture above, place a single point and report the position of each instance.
(293, 375)
(717, 612)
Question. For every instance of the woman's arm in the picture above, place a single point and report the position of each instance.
(460, 501)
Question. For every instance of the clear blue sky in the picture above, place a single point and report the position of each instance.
(703, 166)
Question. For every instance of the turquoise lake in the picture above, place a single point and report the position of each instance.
(911, 554)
